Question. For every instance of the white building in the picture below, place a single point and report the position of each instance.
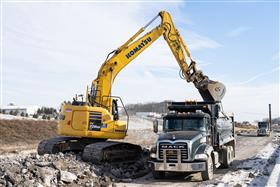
(13, 109)
(148, 114)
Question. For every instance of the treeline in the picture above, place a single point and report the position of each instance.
(41, 113)
(16, 113)
(160, 107)
(46, 113)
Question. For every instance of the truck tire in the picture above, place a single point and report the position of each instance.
(227, 156)
(158, 174)
(209, 171)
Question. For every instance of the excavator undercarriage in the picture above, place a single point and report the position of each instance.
(96, 151)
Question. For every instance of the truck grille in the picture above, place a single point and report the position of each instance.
(172, 151)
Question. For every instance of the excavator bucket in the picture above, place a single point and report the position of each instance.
(211, 90)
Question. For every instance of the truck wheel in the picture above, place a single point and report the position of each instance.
(227, 156)
(158, 174)
(209, 172)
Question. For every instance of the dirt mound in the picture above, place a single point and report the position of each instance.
(26, 131)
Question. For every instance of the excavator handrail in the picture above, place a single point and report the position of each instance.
(126, 113)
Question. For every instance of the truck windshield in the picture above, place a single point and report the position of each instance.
(263, 125)
(190, 124)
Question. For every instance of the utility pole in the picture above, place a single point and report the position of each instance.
(269, 108)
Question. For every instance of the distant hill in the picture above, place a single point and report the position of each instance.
(158, 107)
(273, 120)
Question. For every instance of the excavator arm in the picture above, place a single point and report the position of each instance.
(102, 85)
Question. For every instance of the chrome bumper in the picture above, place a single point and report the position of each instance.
(263, 132)
(179, 167)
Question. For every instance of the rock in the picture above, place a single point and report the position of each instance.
(2, 172)
(37, 184)
(105, 181)
(60, 165)
(93, 174)
(48, 175)
(27, 164)
(23, 171)
(9, 184)
(87, 173)
(95, 170)
(47, 180)
(251, 175)
(89, 184)
(43, 164)
(67, 177)
(2, 182)
(28, 183)
(10, 178)
(37, 157)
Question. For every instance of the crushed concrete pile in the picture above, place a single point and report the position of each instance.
(65, 170)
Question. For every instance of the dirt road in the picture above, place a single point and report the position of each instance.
(246, 147)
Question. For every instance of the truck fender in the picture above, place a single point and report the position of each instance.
(204, 149)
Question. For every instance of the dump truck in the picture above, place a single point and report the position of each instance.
(263, 128)
(196, 137)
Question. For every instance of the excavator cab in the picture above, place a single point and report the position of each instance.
(78, 100)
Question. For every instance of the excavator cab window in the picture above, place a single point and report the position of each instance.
(78, 102)
(115, 110)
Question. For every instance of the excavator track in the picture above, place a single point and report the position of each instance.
(64, 144)
(94, 150)
(111, 152)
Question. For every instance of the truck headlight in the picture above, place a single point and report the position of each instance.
(200, 157)
(153, 151)
(153, 155)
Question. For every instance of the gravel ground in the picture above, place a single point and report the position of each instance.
(26, 168)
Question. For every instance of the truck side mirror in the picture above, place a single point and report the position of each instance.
(155, 126)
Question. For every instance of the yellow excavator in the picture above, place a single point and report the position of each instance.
(88, 122)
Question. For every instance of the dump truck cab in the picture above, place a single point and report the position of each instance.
(194, 139)
(263, 128)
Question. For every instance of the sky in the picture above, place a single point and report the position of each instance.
(53, 50)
